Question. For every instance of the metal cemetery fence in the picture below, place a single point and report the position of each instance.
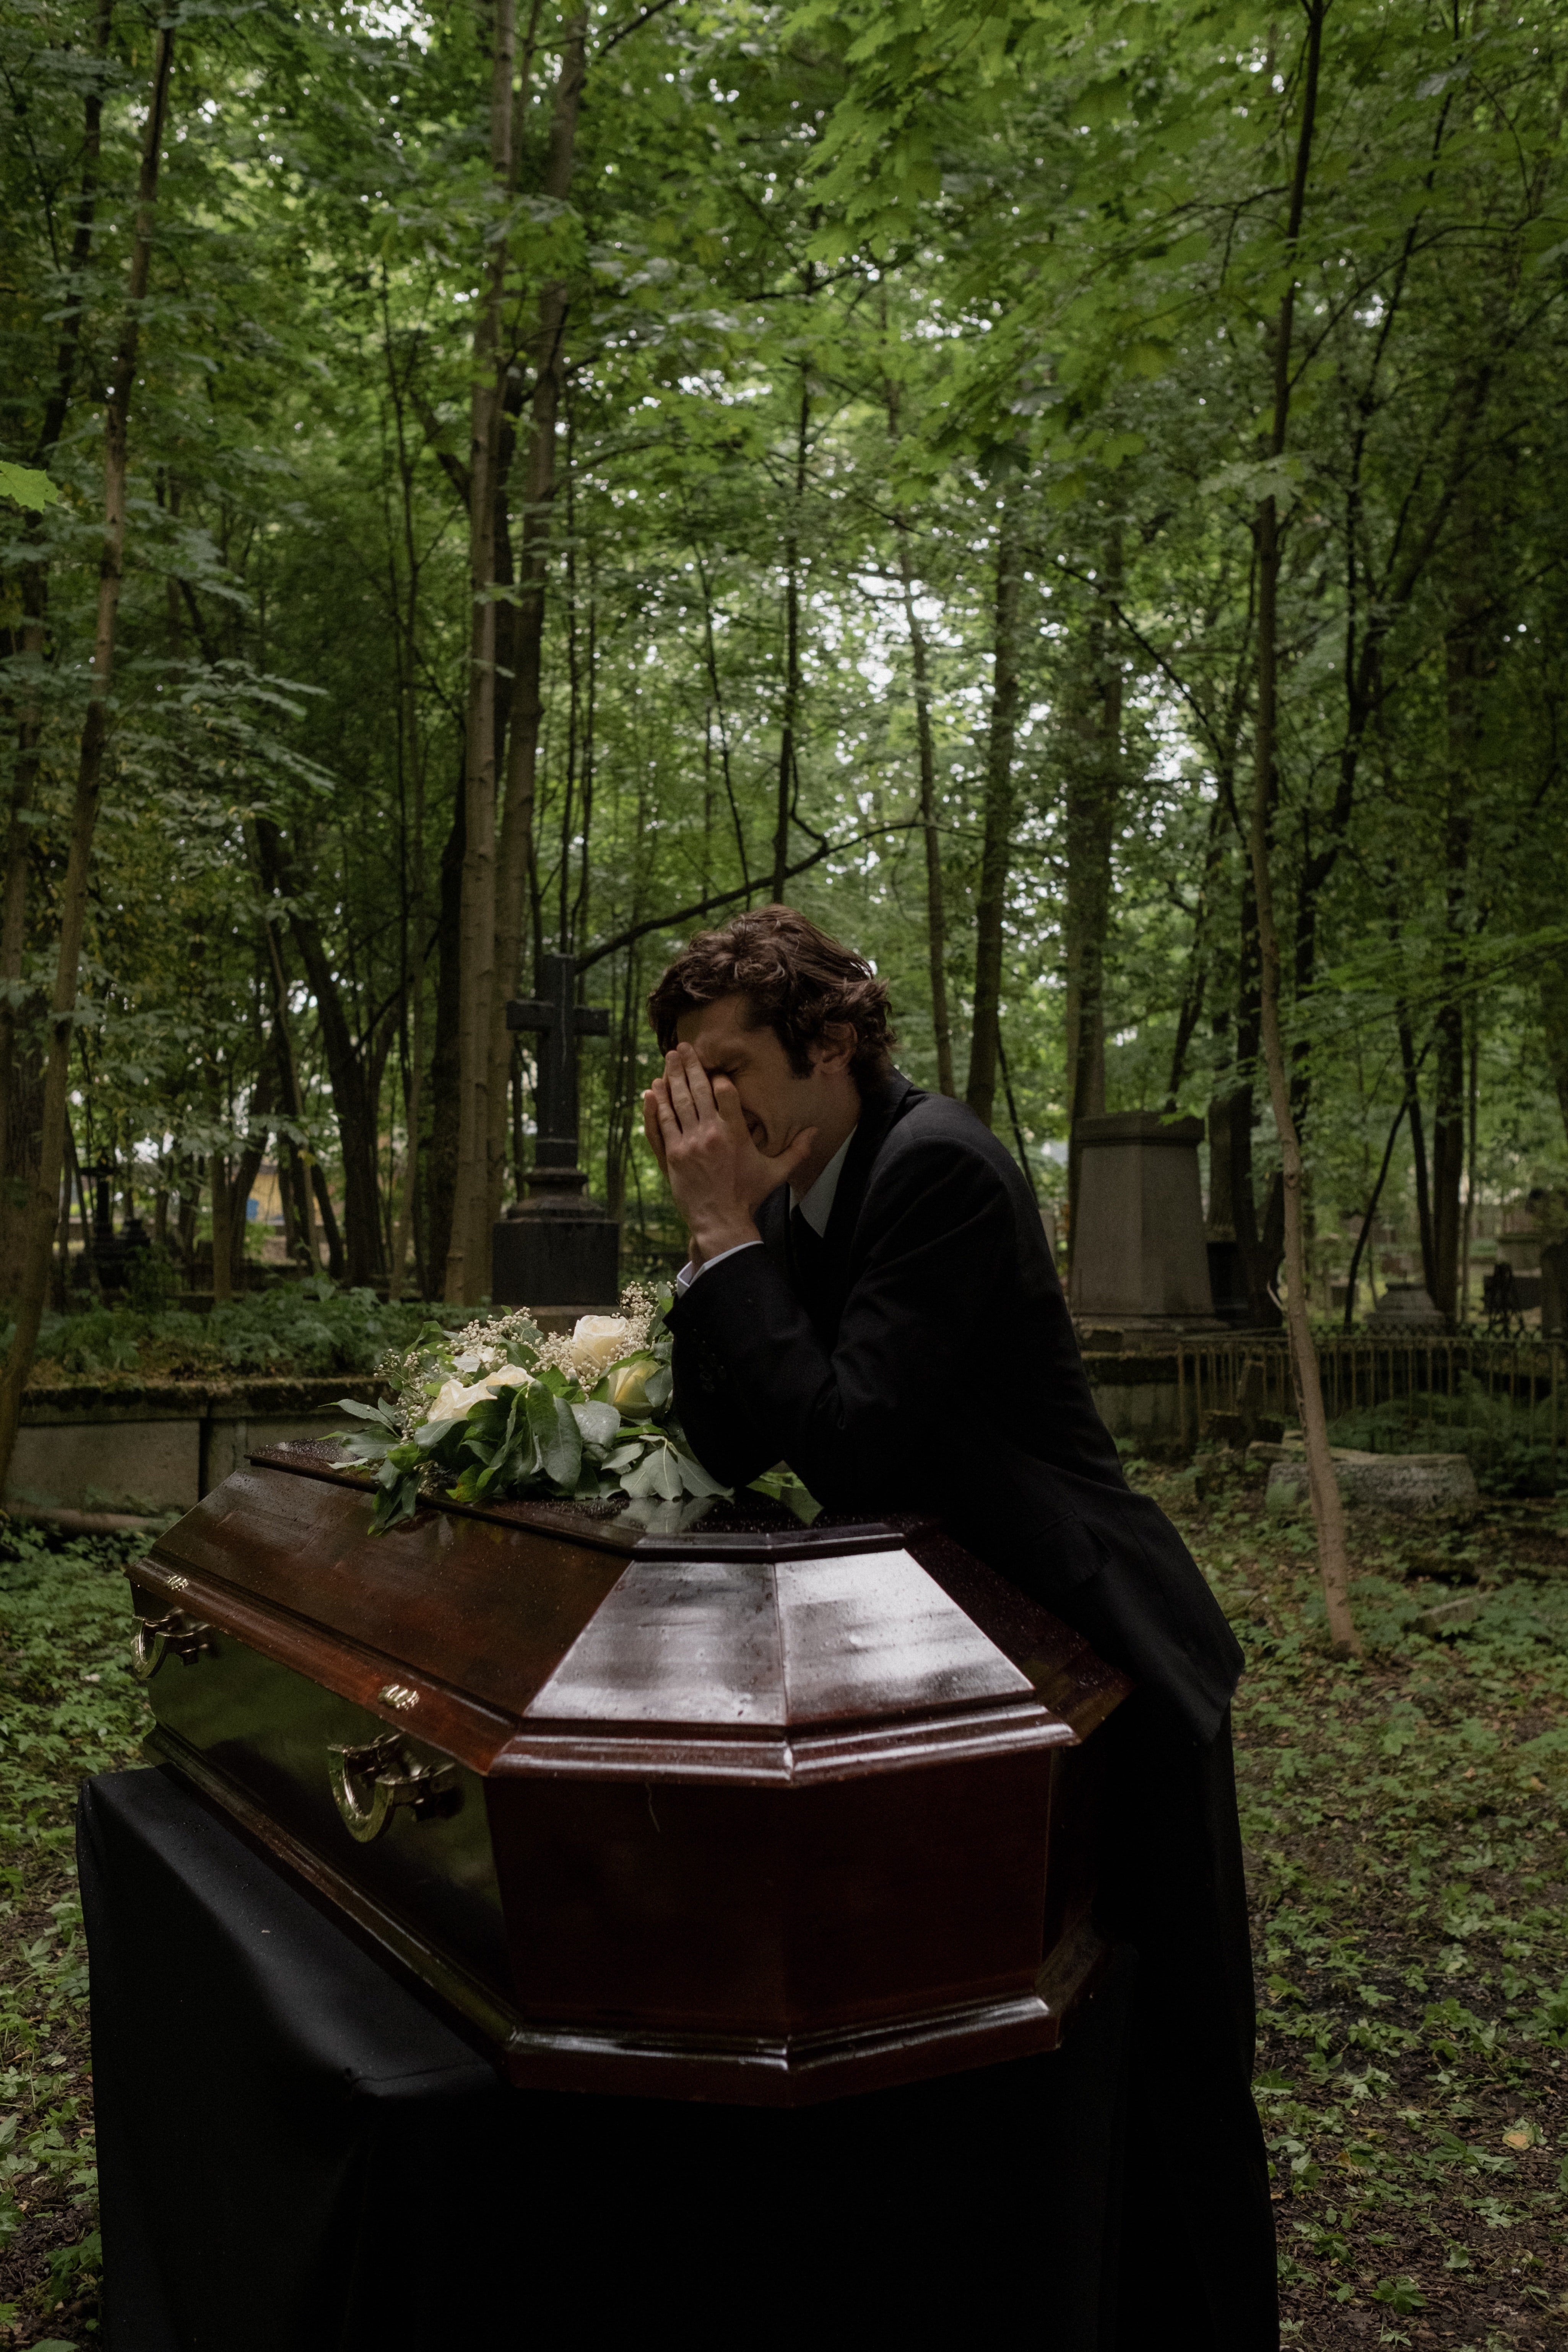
(1502, 1401)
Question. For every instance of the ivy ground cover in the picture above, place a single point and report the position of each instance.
(1409, 1865)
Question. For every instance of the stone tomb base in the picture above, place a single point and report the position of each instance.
(1407, 1483)
(1140, 1260)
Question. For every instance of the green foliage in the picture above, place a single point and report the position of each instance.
(838, 279)
(1509, 1439)
(311, 1328)
(26, 487)
(68, 1707)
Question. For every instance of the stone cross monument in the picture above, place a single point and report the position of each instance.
(556, 1249)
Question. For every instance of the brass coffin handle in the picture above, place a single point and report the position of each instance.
(370, 1779)
(156, 1638)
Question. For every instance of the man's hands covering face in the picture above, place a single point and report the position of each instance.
(699, 1137)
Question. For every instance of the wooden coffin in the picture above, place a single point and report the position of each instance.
(748, 1811)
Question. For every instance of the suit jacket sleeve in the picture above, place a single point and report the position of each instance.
(755, 1382)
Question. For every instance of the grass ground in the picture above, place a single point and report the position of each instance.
(1409, 1864)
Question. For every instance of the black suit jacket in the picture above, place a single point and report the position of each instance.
(921, 1356)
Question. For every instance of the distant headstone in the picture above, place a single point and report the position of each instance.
(1227, 1283)
(1138, 1257)
(1554, 1290)
(557, 1248)
(1443, 1483)
(1406, 1306)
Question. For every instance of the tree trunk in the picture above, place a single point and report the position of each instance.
(353, 1071)
(43, 1206)
(516, 857)
(441, 1163)
(936, 914)
(1553, 986)
(1410, 1067)
(995, 855)
(1463, 652)
(1328, 1506)
(21, 1066)
(249, 1167)
(467, 1268)
(789, 727)
(337, 1260)
(1259, 1239)
(223, 1230)
(1091, 741)
(301, 1225)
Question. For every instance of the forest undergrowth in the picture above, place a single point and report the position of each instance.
(308, 1328)
(1409, 1872)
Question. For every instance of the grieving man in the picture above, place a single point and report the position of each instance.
(870, 1297)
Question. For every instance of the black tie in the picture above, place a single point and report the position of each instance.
(810, 1266)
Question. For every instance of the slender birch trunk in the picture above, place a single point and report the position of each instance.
(995, 856)
(789, 729)
(467, 1257)
(516, 859)
(936, 907)
(42, 1208)
(1328, 1508)
(223, 1231)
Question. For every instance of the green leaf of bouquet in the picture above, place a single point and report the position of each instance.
(368, 1412)
(356, 1446)
(563, 1455)
(433, 1433)
(695, 1479)
(597, 1422)
(656, 1476)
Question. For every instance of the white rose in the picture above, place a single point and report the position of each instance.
(596, 1343)
(628, 1383)
(453, 1400)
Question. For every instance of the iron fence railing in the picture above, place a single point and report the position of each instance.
(1503, 1402)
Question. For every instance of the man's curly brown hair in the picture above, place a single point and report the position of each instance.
(797, 981)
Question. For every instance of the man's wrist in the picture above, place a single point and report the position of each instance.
(712, 1240)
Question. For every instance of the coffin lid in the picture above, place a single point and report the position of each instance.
(500, 1633)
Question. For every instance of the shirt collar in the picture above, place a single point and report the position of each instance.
(817, 1205)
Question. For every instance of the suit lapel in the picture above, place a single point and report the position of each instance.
(823, 1286)
(882, 1112)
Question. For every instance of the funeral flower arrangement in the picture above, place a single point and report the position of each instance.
(500, 1409)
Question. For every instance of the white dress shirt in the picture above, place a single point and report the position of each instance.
(816, 1207)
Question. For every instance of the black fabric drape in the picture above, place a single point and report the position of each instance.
(298, 2153)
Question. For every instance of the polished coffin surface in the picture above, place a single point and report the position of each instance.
(741, 1810)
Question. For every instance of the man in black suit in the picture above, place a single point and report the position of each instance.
(870, 1297)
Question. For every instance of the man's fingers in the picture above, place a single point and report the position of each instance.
(699, 1084)
(677, 1091)
(727, 1103)
(652, 1129)
(664, 1112)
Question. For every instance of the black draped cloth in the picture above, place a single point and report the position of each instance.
(299, 2152)
(919, 1355)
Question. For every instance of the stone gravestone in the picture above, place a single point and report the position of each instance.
(558, 1248)
(1139, 1259)
(1554, 1290)
(1405, 1306)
